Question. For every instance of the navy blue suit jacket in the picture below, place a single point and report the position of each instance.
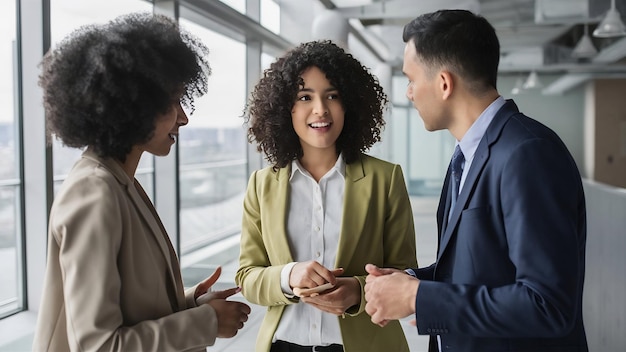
(511, 260)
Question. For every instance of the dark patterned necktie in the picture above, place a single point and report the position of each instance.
(456, 167)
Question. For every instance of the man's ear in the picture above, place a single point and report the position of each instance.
(446, 84)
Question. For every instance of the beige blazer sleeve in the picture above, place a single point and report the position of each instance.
(111, 279)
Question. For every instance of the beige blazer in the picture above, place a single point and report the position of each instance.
(377, 227)
(112, 279)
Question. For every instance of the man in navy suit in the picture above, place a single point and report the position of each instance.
(511, 255)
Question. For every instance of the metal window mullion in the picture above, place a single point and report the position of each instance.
(166, 170)
(36, 156)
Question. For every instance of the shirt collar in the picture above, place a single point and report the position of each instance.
(339, 167)
(472, 137)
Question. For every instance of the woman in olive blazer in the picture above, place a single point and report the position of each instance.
(377, 226)
(313, 113)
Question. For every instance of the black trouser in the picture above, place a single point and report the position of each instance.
(284, 346)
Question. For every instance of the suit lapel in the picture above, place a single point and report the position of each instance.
(356, 198)
(480, 158)
(444, 204)
(478, 163)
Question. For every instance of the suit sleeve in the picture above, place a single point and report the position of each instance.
(87, 226)
(539, 221)
(425, 273)
(258, 278)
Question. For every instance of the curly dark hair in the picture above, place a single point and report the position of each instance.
(105, 85)
(268, 112)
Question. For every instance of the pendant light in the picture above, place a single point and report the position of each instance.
(519, 86)
(532, 82)
(584, 49)
(611, 25)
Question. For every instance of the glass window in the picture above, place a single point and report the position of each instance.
(270, 15)
(65, 17)
(213, 159)
(398, 91)
(239, 5)
(426, 148)
(413, 146)
(266, 61)
(10, 185)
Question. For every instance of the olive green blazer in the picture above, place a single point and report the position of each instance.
(377, 227)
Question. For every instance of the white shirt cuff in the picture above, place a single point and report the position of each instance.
(284, 280)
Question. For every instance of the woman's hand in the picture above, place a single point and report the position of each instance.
(205, 286)
(345, 294)
(311, 274)
(230, 315)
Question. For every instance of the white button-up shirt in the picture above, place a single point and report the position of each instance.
(313, 228)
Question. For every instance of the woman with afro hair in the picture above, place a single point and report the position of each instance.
(112, 279)
(323, 209)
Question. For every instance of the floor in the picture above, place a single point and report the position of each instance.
(424, 209)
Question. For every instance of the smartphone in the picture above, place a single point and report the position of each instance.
(312, 292)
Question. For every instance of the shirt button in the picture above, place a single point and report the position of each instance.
(317, 254)
(318, 208)
(314, 326)
(317, 228)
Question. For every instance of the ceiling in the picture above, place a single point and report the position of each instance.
(535, 35)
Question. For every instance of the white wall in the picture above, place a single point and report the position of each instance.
(563, 113)
(604, 297)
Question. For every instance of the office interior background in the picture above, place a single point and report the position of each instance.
(578, 89)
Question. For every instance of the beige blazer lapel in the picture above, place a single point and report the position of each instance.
(145, 204)
(357, 194)
(151, 220)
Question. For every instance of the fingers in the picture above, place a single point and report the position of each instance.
(337, 271)
(311, 274)
(205, 285)
(382, 306)
(376, 271)
(312, 292)
(345, 294)
(217, 295)
(231, 316)
(227, 293)
(205, 298)
(377, 319)
(372, 269)
(325, 308)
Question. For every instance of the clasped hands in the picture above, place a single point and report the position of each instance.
(230, 314)
(345, 293)
(389, 294)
